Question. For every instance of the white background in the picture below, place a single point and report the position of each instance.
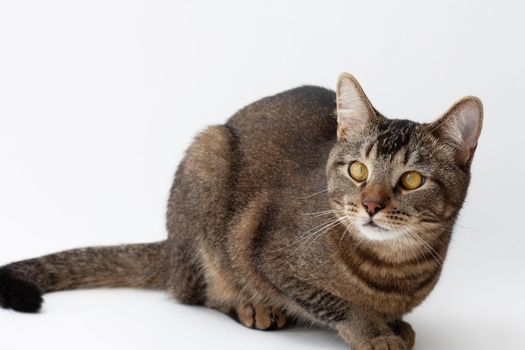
(99, 99)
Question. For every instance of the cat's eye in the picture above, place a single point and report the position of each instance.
(412, 180)
(358, 171)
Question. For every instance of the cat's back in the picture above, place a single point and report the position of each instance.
(294, 126)
(307, 111)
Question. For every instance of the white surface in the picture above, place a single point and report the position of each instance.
(99, 99)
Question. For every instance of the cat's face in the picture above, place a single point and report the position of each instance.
(390, 179)
(394, 179)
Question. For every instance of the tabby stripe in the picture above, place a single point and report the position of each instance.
(405, 284)
(369, 149)
(373, 259)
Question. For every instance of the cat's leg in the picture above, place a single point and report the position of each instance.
(404, 331)
(186, 282)
(225, 294)
(227, 298)
(197, 213)
(360, 327)
(364, 331)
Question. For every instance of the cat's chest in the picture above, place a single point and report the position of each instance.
(390, 289)
(387, 292)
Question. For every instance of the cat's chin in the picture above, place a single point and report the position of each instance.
(374, 232)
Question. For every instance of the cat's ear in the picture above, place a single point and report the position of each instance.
(354, 111)
(460, 128)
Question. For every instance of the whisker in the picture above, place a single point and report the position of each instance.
(334, 219)
(306, 235)
(416, 257)
(324, 212)
(314, 194)
(431, 250)
(480, 231)
(318, 215)
(343, 235)
(324, 230)
(312, 236)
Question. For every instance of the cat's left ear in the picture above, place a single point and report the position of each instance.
(460, 128)
(354, 111)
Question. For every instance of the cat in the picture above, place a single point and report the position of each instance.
(307, 205)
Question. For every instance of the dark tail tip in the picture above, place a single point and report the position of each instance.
(18, 294)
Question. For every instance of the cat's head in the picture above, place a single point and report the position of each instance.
(397, 179)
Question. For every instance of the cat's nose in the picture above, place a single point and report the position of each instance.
(373, 206)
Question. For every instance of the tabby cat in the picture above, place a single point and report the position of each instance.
(289, 212)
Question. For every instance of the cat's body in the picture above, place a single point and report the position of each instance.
(262, 227)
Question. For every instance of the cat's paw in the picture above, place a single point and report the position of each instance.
(259, 317)
(389, 342)
(18, 294)
(405, 331)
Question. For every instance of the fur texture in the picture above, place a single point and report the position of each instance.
(266, 225)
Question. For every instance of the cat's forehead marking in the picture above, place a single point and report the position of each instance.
(392, 136)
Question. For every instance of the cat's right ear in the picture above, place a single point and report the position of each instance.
(460, 128)
(354, 111)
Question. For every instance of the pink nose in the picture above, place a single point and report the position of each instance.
(372, 207)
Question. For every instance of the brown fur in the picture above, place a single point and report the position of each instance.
(262, 221)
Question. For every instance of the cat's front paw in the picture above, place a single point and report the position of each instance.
(260, 317)
(405, 331)
(389, 342)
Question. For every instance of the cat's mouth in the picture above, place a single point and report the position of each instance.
(372, 224)
(375, 232)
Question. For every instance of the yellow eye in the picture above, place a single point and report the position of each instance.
(412, 180)
(358, 171)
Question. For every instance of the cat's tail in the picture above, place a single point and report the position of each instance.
(135, 265)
